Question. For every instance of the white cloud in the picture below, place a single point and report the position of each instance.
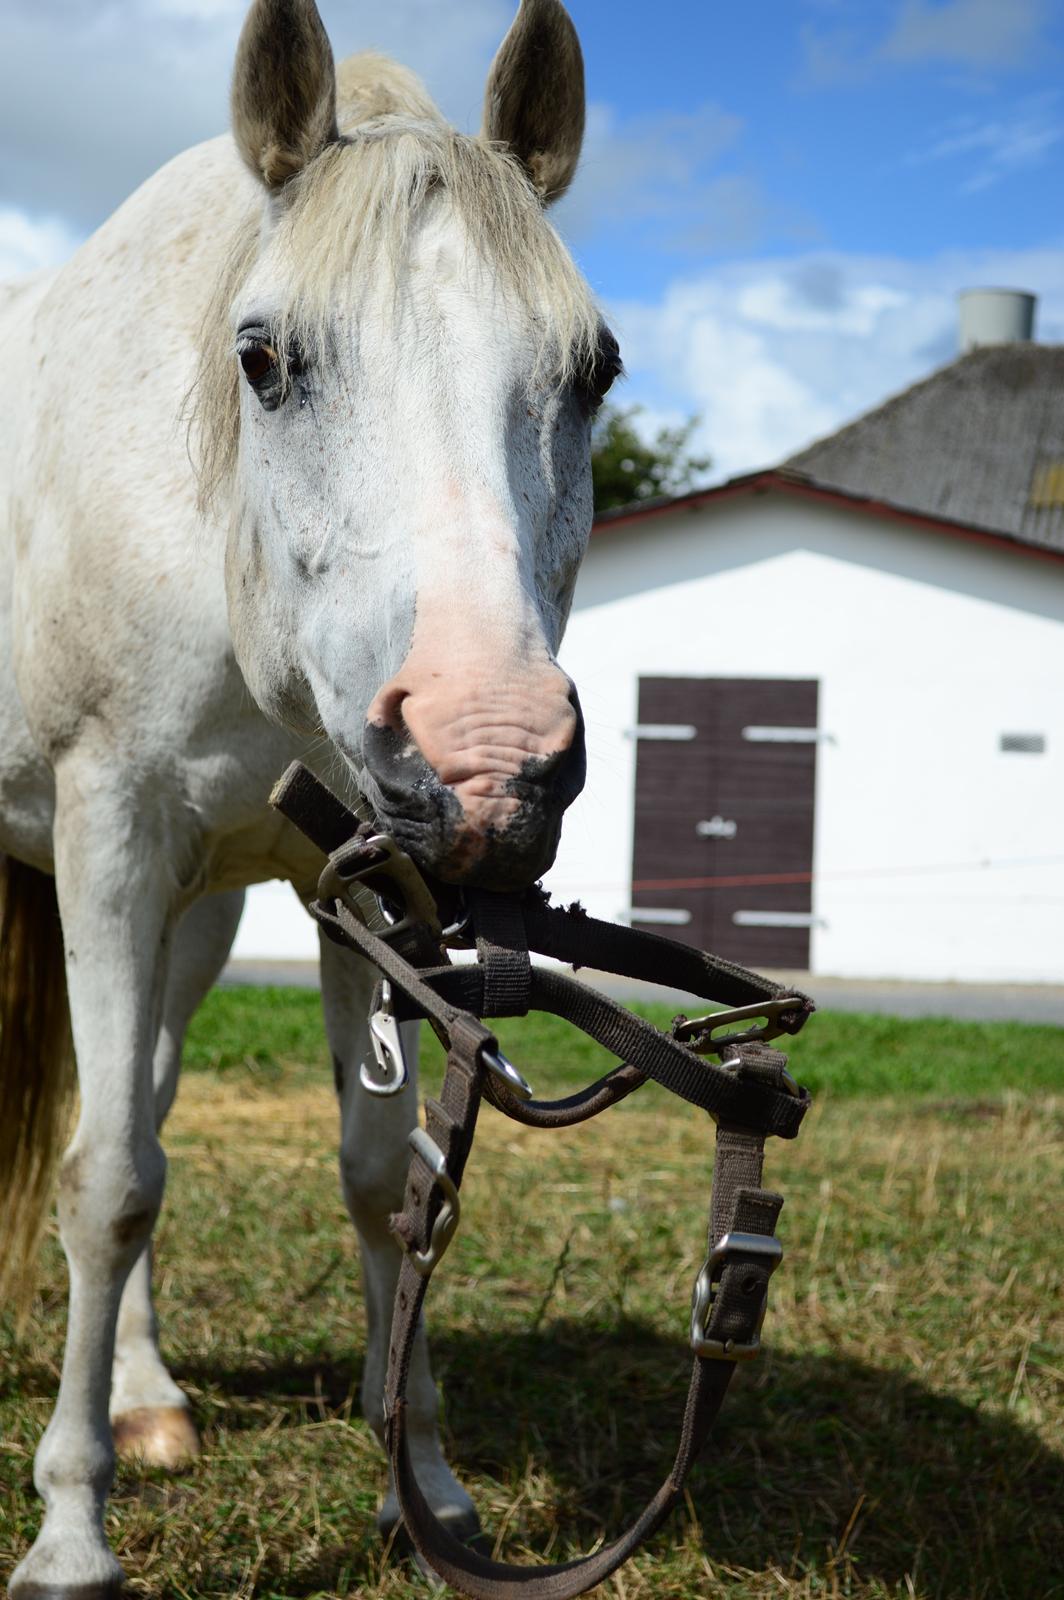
(94, 97)
(967, 32)
(632, 170)
(999, 146)
(970, 34)
(28, 244)
(773, 354)
(657, 179)
(773, 303)
(831, 56)
(201, 10)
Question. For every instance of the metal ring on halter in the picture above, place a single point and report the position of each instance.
(456, 934)
(418, 902)
(507, 1074)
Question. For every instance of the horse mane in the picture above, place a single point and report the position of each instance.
(352, 208)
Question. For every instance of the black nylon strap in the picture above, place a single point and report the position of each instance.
(502, 954)
(582, 941)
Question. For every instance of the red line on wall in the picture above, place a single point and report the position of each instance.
(757, 483)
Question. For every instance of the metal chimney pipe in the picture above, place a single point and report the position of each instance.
(995, 316)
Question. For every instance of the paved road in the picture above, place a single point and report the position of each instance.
(975, 1002)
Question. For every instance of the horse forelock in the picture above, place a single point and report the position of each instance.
(350, 213)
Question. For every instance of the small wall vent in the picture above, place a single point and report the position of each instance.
(1023, 744)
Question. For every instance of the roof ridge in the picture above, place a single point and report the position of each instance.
(965, 443)
(882, 407)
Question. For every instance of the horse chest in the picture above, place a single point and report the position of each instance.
(270, 848)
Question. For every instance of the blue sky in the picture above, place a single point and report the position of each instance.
(864, 127)
(778, 202)
(833, 174)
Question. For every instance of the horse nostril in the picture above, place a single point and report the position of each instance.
(386, 711)
(566, 771)
(561, 773)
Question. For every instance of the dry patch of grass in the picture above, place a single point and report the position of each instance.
(896, 1439)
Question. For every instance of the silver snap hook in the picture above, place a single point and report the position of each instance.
(387, 1050)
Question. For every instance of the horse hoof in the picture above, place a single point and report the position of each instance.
(460, 1521)
(156, 1436)
(464, 1524)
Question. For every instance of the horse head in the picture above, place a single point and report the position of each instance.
(416, 363)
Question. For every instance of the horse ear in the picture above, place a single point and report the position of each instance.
(534, 102)
(284, 90)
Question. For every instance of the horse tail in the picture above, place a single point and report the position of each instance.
(36, 1070)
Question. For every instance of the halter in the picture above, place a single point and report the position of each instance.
(748, 1092)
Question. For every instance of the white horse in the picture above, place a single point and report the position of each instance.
(392, 364)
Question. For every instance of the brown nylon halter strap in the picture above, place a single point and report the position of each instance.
(735, 1316)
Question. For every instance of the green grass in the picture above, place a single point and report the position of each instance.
(256, 1027)
(843, 1054)
(898, 1440)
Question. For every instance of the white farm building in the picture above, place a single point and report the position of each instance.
(825, 702)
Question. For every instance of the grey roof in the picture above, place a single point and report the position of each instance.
(980, 442)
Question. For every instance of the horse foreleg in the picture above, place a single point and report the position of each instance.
(374, 1156)
(150, 1417)
(114, 882)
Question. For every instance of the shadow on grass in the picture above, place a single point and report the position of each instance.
(812, 1455)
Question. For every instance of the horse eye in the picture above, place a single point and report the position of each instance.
(258, 361)
(607, 369)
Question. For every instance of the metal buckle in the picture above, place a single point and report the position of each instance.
(734, 1063)
(388, 1049)
(731, 1244)
(447, 1218)
(397, 869)
(697, 1027)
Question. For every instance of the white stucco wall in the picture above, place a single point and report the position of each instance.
(275, 927)
(936, 856)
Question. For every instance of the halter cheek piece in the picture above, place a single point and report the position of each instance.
(748, 1092)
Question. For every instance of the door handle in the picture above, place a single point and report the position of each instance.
(716, 828)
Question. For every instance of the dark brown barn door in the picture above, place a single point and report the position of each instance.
(724, 794)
